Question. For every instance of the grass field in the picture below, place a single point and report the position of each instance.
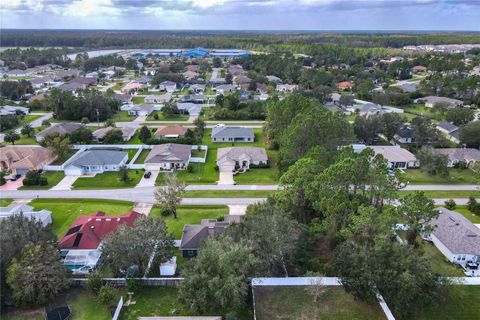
(64, 212)
(282, 303)
(138, 99)
(53, 178)
(122, 116)
(189, 215)
(108, 180)
(30, 117)
(164, 117)
(457, 176)
(228, 194)
(474, 218)
(448, 194)
(463, 303)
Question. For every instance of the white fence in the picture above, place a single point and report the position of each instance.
(53, 168)
(116, 315)
(198, 159)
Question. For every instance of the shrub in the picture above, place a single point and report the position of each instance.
(166, 212)
(42, 181)
(46, 123)
(84, 120)
(32, 178)
(2, 178)
(473, 205)
(155, 116)
(265, 165)
(450, 204)
(189, 168)
(133, 285)
(106, 295)
(94, 283)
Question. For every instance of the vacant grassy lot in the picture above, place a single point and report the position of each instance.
(463, 303)
(457, 176)
(439, 262)
(64, 212)
(228, 193)
(189, 215)
(53, 178)
(282, 303)
(109, 180)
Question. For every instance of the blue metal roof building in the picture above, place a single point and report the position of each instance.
(197, 52)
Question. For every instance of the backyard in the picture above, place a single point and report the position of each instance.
(64, 212)
(189, 215)
(288, 302)
(439, 262)
(109, 180)
(53, 178)
(457, 176)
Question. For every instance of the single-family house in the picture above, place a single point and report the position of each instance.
(225, 88)
(62, 74)
(197, 88)
(190, 75)
(168, 156)
(409, 87)
(419, 69)
(72, 87)
(168, 86)
(140, 110)
(171, 132)
(43, 216)
(456, 237)
(193, 109)
(469, 156)
(404, 135)
(21, 159)
(132, 86)
(194, 234)
(93, 161)
(193, 98)
(286, 87)
(222, 133)
(61, 128)
(193, 68)
(14, 110)
(241, 80)
(369, 109)
(236, 69)
(449, 130)
(122, 97)
(240, 158)
(81, 244)
(20, 73)
(127, 133)
(274, 79)
(344, 85)
(41, 82)
(431, 101)
(164, 98)
(396, 156)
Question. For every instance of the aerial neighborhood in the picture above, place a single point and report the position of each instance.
(265, 176)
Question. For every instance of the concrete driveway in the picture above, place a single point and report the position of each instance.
(140, 119)
(226, 178)
(150, 182)
(12, 185)
(66, 183)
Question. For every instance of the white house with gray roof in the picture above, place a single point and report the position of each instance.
(95, 161)
(456, 237)
(44, 216)
(61, 128)
(222, 133)
(168, 156)
(240, 158)
(469, 156)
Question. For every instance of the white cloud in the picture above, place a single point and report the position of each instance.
(86, 8)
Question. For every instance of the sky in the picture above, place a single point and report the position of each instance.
(242, 14)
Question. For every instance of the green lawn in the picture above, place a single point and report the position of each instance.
(164, 117)
(261, 175)
(26, 140)
(202, 173)
(142, 156)
(282, 303)
(439, 262)
(131, 153)
(463, 303)
(447, 194)
(468, 214)
(421, 110)
(118, 86)
(4, 202)
(122, 116)
(53, 178)
(64, 212)
(190, 215)
(228, 193)
(135, 139)
(198, 153)
(138, 99)
(457, 176)
(30, 117)
(62, 161)
(108, 180)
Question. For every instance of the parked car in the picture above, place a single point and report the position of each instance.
(147, 174)
(15, 177)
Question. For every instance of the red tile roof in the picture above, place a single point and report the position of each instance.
(88, 231)
(344, 84)
(171, 130)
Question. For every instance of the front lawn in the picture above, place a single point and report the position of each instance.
(5, 202)
(109, 180)
(164, 117)
(474, 218)
(228, 193)
(457, 176)
(122, 116)
(269, 175)
(189, 215)
(462, 303)
(64, 212)
(30, 117)
(53, 178)
(292, 302)
(439, 262)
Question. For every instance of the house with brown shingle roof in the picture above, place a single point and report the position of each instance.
(171, 132)
(23, 159)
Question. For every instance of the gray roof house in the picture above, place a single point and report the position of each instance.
(127, 133)
(44, 216)
(456, 237)
(93, 161)
(469, 156)
(240, 158)
(140, 110)
(404, 135)
(222, 133)
(449, 130)
(6, 110)
(431, 101)
(194, 234)
(168, 156)
(61, 128)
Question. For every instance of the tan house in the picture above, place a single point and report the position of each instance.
(171, 132)
(23, 159)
